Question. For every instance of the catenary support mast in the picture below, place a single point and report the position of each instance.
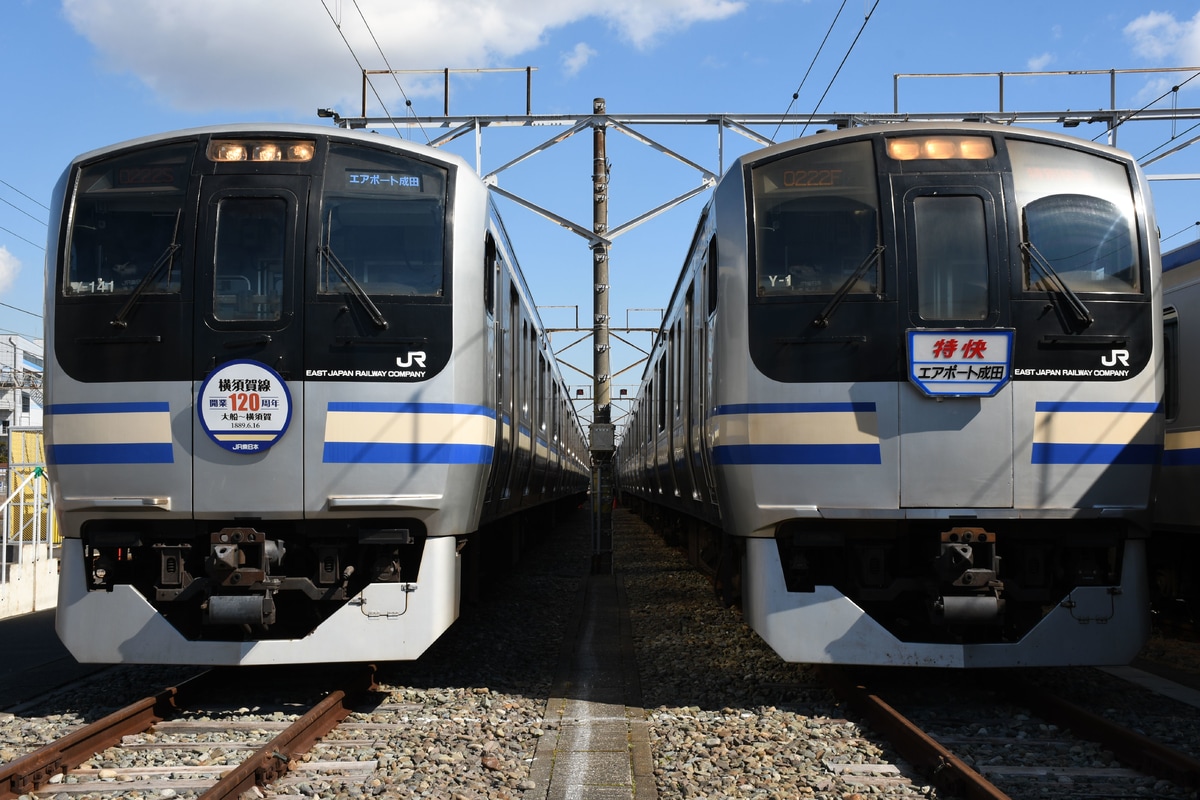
(603, 436)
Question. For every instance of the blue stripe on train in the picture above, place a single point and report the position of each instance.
(411, 408)
(406, 453)
(106, 408)
(796, 408)
(782, 454)
(1112, 407)
(1062, 453)
(123, 453)
(1186, 457)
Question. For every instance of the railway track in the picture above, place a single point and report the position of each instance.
(736, 722)
(1001, 737)
(725, 718)
(464, 720)
(171, 731)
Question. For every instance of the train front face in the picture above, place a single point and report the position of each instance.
(942, 443)
(262, 440)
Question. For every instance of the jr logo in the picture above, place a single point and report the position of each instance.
(415, 358)
(1117, 357)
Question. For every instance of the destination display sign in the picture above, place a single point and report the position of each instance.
(960, 362)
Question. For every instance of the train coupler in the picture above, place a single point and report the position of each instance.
(967, 558)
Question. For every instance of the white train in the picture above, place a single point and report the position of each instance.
(1175, 556)
(907, 393)
(292, 372)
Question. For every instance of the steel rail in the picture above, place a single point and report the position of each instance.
(944, 769)
(273, 760)
(25, 774)
(1130, 747)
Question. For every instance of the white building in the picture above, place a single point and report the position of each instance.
(21, 364)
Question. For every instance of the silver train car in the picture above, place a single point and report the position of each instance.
(906, 398)
(294, 379)
(1175, 554)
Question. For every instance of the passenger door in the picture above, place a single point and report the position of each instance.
(955, 334)
(249, 346)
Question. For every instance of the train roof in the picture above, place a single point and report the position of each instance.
(784, 147)
(1181, 256)
(248, 129)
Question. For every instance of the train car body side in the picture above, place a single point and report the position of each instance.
(275, 410)
(928, 385)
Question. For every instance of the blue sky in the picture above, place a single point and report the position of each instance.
(80, 74)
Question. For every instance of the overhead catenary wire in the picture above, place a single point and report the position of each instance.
(23, 211)
(796, 94)
(845, 58)
(27, 197)
(1120, 122)
(387, 64)
(22, 310)
(1181, 230)
(1170, 141)
(361, 68)
(22, 238)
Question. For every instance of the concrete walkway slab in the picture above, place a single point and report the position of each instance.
(597, 745)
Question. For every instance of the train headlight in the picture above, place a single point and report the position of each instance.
(267, 151)
(300, 151)
(939, 148)
(904, 149)
(976, 147)
(227, 151)
(913, 148)
(258, 150)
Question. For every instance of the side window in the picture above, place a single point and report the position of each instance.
(524, 371)
(660, 388)
(711, 266)
(1171, 363)
(491, 268)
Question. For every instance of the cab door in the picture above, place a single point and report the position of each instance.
(248, 346)
(955, 414)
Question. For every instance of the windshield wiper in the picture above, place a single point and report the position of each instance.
(1058, 284)
(168, 256)
(356, 288)
(822, 320)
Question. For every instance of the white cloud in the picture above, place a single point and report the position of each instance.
(289, 55)
(1158, 36)
(577, 58)
(1039, 63)
(641, 22)
(10, 265)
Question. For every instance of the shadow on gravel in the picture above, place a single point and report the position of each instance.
(692, 650)
(509, 639)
